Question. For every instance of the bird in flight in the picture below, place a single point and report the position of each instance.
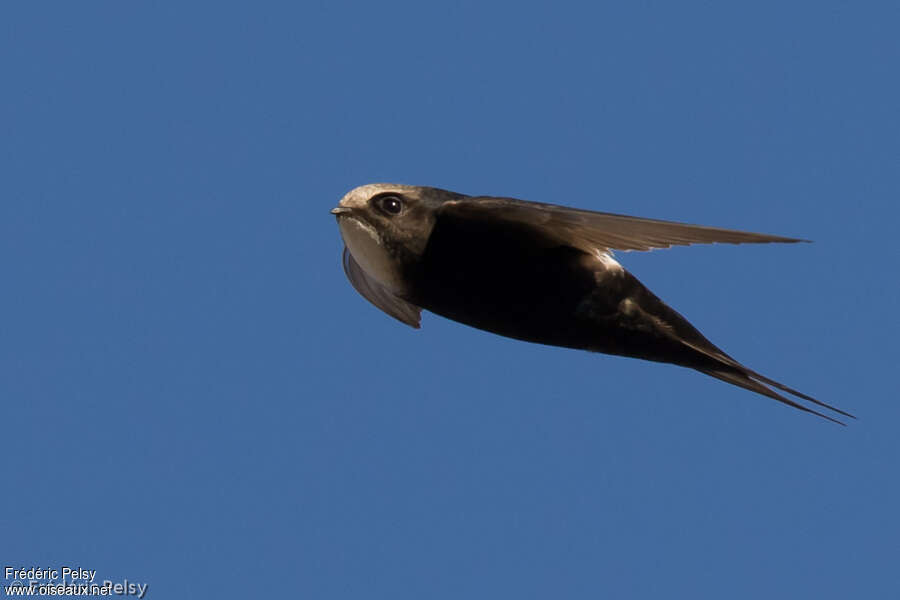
(536, 272)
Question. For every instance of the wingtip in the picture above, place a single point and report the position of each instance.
(787, 240)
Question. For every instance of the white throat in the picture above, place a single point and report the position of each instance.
(367, 248)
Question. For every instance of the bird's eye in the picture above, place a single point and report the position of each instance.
(390, 204)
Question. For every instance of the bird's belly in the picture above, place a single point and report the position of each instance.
(532, 300)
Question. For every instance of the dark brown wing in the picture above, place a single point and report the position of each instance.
(590, 231)
(379, 295)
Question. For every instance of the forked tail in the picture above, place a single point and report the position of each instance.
(739, 375)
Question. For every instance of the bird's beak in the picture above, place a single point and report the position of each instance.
(341, 210)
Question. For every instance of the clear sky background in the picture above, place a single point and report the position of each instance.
(194, 397)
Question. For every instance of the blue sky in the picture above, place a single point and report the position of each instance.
(194, 397)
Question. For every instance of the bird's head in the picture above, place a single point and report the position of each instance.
(386, 226)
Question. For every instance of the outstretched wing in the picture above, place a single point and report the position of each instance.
(591, 231)
(379, 295)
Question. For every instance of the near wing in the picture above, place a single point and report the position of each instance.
(589, 231)
(379, 295)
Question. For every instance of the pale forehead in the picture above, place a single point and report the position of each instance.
(362, 193)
